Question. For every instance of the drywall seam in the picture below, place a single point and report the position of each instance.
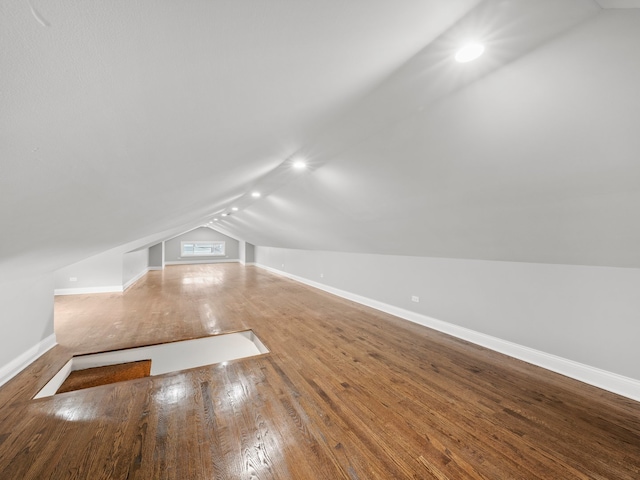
(18, 364)
(619, 384)
(136, 278)
(85, 290)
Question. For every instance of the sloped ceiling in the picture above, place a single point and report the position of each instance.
(123, 119)
(122, 122)
(619, 3)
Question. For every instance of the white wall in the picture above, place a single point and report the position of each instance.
(156, 256)
(172, 248)
(247, 253)
(242, 252)
(110, 271)
(101, 272)
(134, 265)
(588, 315)
(250, 253)
(26, 322)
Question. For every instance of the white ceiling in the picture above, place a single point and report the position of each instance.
(121, 122)
(619, 3)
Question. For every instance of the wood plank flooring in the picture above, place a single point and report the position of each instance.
(347, 392)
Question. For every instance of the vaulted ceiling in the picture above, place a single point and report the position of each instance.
(122, 121)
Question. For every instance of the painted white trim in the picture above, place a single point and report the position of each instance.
(135, 279)
(195, 262)
(251, 264)
(11, 369)
(85, 290)
(621, 385)
(156, 268)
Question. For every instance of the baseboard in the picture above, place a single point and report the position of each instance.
(197, 262)
(156, 268)
(141, 274)
(621, 385)
(10, 370)
(85, 290)
(250, 264)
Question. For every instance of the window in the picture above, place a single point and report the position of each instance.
(202, 249)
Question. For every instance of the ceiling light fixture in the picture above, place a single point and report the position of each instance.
(469, 52)
(299, 165)
(215, 219)
(235, 209)
(255, 194)
(225, 214)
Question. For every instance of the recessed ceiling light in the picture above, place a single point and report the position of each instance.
(235, 209)
(469, 52)
(255, 194)
(225, 214)
(299, 165)
(215, 219)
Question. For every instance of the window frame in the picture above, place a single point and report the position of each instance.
(212, 243)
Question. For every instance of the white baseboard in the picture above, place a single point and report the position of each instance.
(156, 268)
(621, 385)
(85, 290)
(10, 370)
(135, 279)
(106, 289)
(196, 262)
(250, 264)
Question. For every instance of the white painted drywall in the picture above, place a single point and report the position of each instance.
(586, 314)
(156, 256)
(249, 253)
(242, 252)
(26, 317)
(535, 162)
(134, 265)
(172, 247)
(100, 271)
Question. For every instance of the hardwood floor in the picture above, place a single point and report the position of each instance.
(346, 392)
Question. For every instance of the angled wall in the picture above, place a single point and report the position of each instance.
(26, 322)
(584, 315)
(134, 265)
(111, 271)
(98, 274)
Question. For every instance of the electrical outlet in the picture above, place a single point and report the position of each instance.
(416, 299)
(73, 279)
(322, 275)
(283, 265)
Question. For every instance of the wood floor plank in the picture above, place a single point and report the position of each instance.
(346, 392)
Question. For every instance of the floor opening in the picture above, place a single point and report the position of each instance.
(161, 358)
(96, 376)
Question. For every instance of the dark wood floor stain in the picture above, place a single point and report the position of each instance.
(347, 392)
